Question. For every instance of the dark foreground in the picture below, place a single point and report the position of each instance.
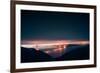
(71, 53)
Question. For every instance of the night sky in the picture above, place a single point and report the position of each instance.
(47, 25)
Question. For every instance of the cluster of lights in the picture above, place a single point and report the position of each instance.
(51, 44)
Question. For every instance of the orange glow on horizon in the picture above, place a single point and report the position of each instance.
(52, 47)
(51, 44)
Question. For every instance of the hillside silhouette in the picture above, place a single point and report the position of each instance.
(32, 55)
(72, 52)
(75, 52)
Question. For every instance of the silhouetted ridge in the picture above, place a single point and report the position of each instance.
(32, 55)
(76, 53)
(72, 52)
(72, 47)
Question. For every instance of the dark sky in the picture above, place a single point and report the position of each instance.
(45, 25)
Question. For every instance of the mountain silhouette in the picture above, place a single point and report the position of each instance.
(32, 55)
(71, 52)
(75, 52)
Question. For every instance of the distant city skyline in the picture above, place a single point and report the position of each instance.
(43, 45)
(53, 48)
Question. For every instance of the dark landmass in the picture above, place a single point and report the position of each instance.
(32, 55)
(72, 52)
(76, 52)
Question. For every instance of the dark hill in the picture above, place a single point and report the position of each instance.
(72, 52)
(75, 52)
(32, 55)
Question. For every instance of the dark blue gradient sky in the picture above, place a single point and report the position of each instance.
(45, 25)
